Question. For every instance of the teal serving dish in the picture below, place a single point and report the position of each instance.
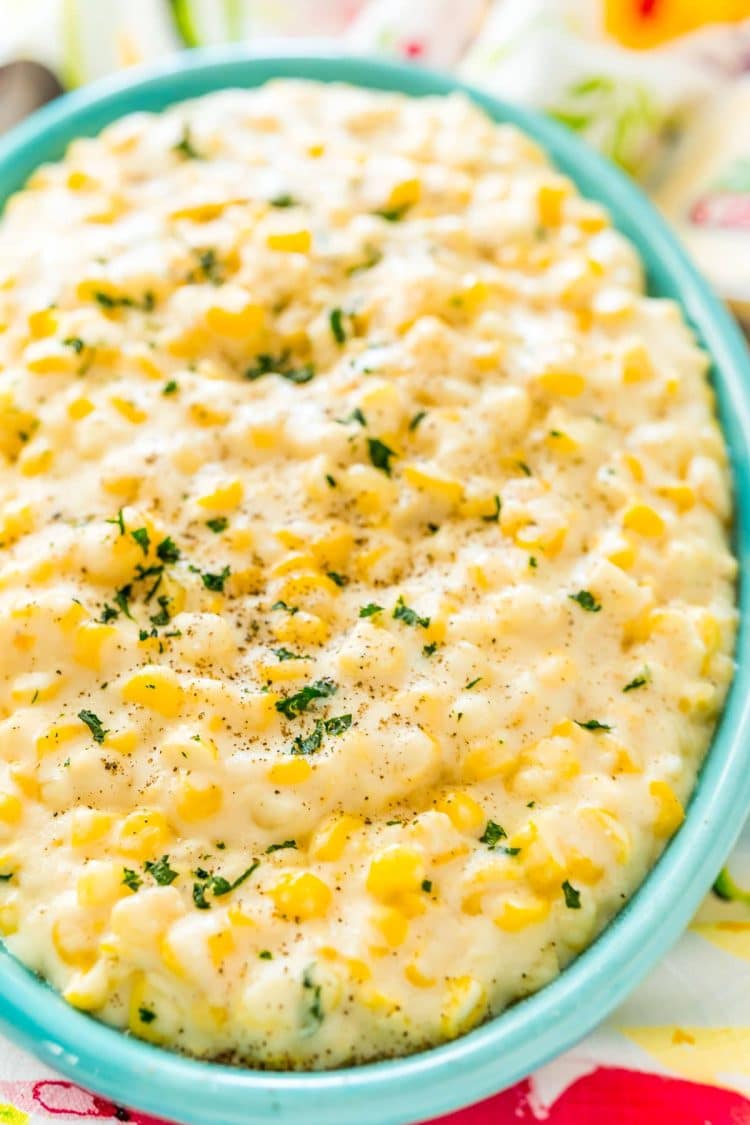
(513, 1044)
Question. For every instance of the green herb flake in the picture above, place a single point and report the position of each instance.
(185, 146)
(495, 517)
(330, 481)
(492, 835)
(266, 364)
(294, 705)
(217, 524)
(337, 579)
(199, 896)
(168, 551)
(592, 724)
(370, 609)
(280, 847)
(215, 581)
(472, 683)
(119, 520)
(95, 725)
(290, 609)
(336, 321)
(311, 743)
(586, 600)
(266, 955)
(287, 654)
(415, 421)
(315, 1005)
(356, 415)
(638, 681)
(572, 896)
(142, 538)
(338, 724)
(160, 871)
(145, 1015)
(524, 468)
(430, 649)
(131, 878)
(405, 613)
(380, 455)
(427, 885)
(170, 388)
(74, 342)
(283, 200)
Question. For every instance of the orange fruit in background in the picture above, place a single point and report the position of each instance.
(647, 23)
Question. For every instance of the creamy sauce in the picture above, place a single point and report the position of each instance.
(365, 590)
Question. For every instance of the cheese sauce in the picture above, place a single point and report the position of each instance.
(365, 589)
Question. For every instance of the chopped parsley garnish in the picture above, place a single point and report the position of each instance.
(266, 364)
(6, 878)
(370, 610)
(592, 724)
(160, 871)
(418, 417)
(430, 649)
(409, 616)
(532, 562)
(337, 579)
(142, 538)
(107, 301)
(122, 600)
(393, 214)
(131, 878)
(266, 955)
(355, 416)
(287, 654)
(168, 551)
(199, 896)
(311, 743)
(586, 600)
(171, 387)
(336, 321)
(638, 681)
(524, 468)
(109, 613)
(380, 455)
(95, 725)
(427, 885)
(494, 518)
(330, 481)
(283, 200)
(472, 683)
(210, 266)
(145, 1015)
(221, 886)
(162, 617)
(572, 896)
(492, 834)
(315, 1005)
(290, 609)
(185, 146)
(215, 581)
(338, 724)
(74, 342)
(119, 520)
(280, 847)
(217, 524)
(294, 705)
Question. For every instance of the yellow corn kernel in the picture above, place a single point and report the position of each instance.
(196, 802)
(282, 671)
(144, 834)
(156, 688)
(549, 201)
(404, 194)
(125, 488)
(614, 831)
(392, 924)
(417, 978)
(301, 628)
(15, 521)
(636, 365)
(129, 410)
(635, 466)
(442, 488)
(301, 895)
(206, 416)
(622, 555)
(89, 990)
(35, 464)
(290, 771)
(462, 810)
(88, 641)
(560, 442)
(224, 498)
(190, 344)
(236, 325)
(123, 741)
(11, 809)
(140, 1001)
(72, 947)
(51, 362)
(237, 917)
(36, 687)
(681, 495)
(644, 520)
(89, 825)
(220, 946)
(54, 737)
(517, 914)
(290, 241)
(101, 884)
(43, 323)
(464, 1006)
(394, 871)
(330, 839)
(299, 560)
(669, 811)
(567, 383)
(10, 916)
(483, 762)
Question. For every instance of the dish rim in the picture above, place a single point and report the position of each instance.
(508, 1047)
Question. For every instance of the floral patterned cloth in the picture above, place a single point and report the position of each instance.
(627, 75)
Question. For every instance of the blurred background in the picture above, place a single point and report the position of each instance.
(662, 87)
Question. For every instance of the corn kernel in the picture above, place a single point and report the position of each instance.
(681, 495)
(240, 325)
(10, 916)
(220, 946)
(636, 365)
(89, 825)
(644, 520)
(394, 871)
(54, 737)
(224, 497)
(516, 915)
(291, 771)
(35, 687)
(144, 834)
(404, 194)
(441, 488)
(462, 810)
(567, 383)
(560, 442)
(392, 924)
(11, 809)
(464, 1006)
(205, 416)
(197, 802)
(124, 741)
(669, 811)
(156, 688)
(290, 242)
(301, 895)
(15, 521)
(301, 628)
(35, 464)
(129, 410)
(330, 839)
(550, 199)
(43, 323)
(88, 641)
(417, 978)
(101, 884)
